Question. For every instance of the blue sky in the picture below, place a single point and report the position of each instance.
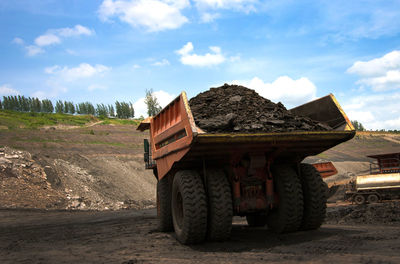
(288, 51)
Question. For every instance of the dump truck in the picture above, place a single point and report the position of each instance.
(204, 179)
(382, 183)
(325, 169)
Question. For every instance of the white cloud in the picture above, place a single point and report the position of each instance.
(47, 39)
(53, 37)
(187, 48)
(361, 116)
(74, 32)
(243, 5)
(56, 87)
(291, 92)
(135, 66)
(63, 78)
(376, 111)
(6, 90)
(208, 59)
(84, 70)
(381, 74)
(163, 62)
(163, 99)
(154, 15)
(209, 17)
(18, 41)
(377, 67)
(33, 50)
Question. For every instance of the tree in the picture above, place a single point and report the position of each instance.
(90, 108)
(102, 110)
(153, 107)
(357, 125)
(59, 107)
(132, 110)
(24, 104)
(124, 110)
(111, 111)
(71, 108)
(1, 105)
(47, 106)
(66, 107)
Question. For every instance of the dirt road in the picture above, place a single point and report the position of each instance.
(130, 236)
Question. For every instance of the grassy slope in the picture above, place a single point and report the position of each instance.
(14, 120)
(362, 145)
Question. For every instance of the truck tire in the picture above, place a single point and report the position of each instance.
(359, 199)
(288, 214)
(220, 210)
(189, 207)
(314, 194)
(372, 198)
(256, 220)
(164, 213)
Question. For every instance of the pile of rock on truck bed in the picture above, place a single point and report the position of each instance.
(234, 108)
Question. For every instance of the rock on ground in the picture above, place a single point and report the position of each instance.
(24, 183)
(76, 182)
(387, 213)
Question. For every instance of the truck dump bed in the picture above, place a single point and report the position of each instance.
(176, 141)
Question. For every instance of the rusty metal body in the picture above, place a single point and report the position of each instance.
(385, 163)
(178, 144)
(326, 169)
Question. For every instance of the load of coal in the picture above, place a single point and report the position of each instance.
(235, 108)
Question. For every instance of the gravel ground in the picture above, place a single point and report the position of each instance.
(129, 236)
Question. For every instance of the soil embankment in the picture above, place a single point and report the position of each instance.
(85, 168)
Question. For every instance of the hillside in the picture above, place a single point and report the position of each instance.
(82, 162)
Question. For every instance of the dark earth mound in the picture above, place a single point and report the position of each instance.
(387, 212)
(234, 108)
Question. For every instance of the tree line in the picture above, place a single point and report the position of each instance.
(32, 104)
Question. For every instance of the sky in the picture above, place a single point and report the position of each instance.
(288, 51)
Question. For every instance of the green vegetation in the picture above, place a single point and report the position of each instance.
(31, 120)
(153, 107)
(35, 105)
(113, 121)
(13, 119)
(357, 125)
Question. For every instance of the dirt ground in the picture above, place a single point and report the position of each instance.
(71, 194)
(129, 236)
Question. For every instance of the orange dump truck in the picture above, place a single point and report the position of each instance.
(204, 179)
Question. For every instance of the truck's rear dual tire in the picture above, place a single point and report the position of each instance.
(314, 193)
(164, 214)
(288, 215)
(220, 211)
(189, 207)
